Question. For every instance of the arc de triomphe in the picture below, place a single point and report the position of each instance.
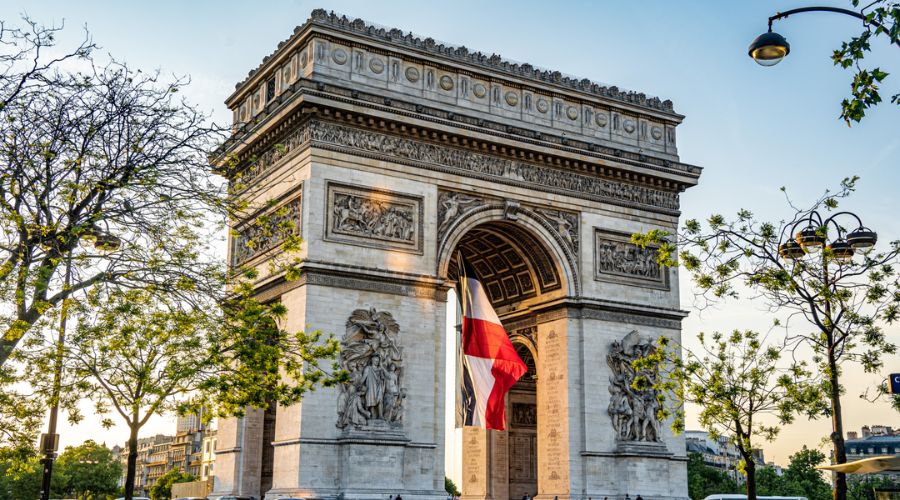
(393, 152)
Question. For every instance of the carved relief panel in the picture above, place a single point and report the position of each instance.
(618, 260)
(373, 398)
(373, 218)
(634, 412)
(266, 230)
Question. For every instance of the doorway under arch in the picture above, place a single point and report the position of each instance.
(522, 273)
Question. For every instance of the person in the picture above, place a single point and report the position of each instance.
(398, 497)
(525, 496)
(639, 498)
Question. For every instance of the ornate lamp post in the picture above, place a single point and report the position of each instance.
(49, 445)
(770, 48)
(813, 238)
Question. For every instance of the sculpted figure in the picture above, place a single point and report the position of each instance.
(373, 378)
(633, 411)
(454, 204)
(370, 353)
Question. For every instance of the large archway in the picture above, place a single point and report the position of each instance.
(523, 275)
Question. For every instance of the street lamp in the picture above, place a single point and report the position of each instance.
(49, 445)
(770, 48)
(813, 238)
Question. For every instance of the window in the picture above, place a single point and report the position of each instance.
(207, 446)
(270, 90)
(884, 450)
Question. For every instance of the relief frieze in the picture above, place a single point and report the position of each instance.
(374, 217)
(266, 231)
(490, 167)
(617, 259)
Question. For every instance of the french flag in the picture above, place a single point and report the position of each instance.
(490, 364)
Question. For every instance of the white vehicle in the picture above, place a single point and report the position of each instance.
(733, 496)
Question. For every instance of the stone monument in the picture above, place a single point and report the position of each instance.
(393, 153)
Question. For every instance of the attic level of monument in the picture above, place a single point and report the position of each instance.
(365, 123)
(351, 65)
(367, 33)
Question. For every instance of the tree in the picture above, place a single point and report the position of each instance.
(769, 483)
(704, 480)
(162, 489)
(735, 381)
(863, 488)
(450, 487)
(89, 469)
(105, 168)
(801, 477)
(20, 474)
(137, 356)
(845, 302)
(882, 19)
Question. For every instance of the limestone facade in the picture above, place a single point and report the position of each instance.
(393, 153)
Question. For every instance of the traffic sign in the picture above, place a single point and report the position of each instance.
(895, 383)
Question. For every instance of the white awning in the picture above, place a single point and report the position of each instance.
(874, 465)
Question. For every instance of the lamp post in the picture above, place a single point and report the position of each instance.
(810, 236)
(49, 445)
(770, 48)
(813, 238)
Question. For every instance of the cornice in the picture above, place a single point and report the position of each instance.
(475, 60)
(252, 138)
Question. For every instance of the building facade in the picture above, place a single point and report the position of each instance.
(394, 154)
(876, 441)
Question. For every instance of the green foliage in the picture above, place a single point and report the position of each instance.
(20, 474)
(882, 20)
(162, 489)
(834, 312)
(704, 480)
(106, 169)
(450, 487)
(85, 471)
(735, 380)
(863, 487)
(802, 478)
(88, 470)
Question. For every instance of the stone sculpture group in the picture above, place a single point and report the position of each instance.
(633, 411)
(369, 352)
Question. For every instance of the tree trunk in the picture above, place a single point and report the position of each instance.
(837, 433)
(750, 470)
(132, 462)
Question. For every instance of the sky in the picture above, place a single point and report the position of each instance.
(752, 129)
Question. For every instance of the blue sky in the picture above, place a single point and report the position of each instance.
(753, 129)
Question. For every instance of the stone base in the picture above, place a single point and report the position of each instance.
(377, 432)
(642, 448)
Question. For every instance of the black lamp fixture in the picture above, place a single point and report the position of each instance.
(814, 238)
(770, 48)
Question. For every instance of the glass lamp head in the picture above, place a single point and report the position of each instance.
(769, 49)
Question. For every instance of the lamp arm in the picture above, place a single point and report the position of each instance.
(837, 10)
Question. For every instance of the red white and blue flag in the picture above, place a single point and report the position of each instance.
(490, 364)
